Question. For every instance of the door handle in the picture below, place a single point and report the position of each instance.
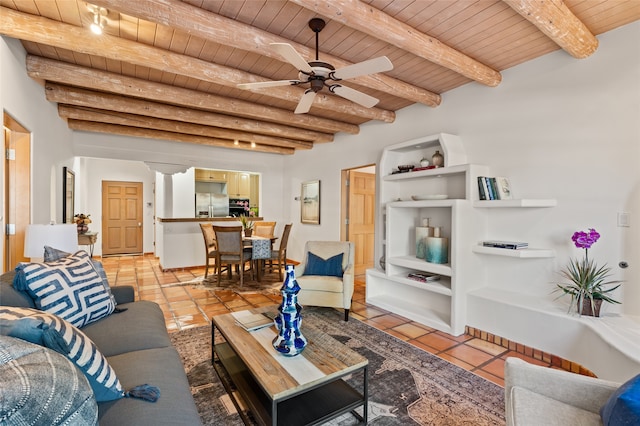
(139, 224)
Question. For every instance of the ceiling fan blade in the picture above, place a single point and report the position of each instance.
(354, 95)
(263, 84)
(371, 66)
(305, 102)
(292, 56)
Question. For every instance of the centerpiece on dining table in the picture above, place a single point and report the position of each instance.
(247, 225)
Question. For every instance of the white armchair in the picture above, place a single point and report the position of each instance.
(323, 290)
(536, 395)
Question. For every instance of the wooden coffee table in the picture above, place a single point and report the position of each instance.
(306, 389)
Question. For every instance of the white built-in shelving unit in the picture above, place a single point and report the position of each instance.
(439, 304)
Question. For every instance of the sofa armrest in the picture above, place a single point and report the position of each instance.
(123, 294)
(587, 393)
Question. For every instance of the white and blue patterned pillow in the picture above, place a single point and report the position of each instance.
(70, 287)
(81, 351)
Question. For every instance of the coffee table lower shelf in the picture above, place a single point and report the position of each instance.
(312, 407)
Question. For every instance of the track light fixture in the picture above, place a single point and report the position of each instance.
(99, 19)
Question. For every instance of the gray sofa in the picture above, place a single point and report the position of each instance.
(137, 345)
(536, 395)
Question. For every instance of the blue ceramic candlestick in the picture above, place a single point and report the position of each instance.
(289, 341)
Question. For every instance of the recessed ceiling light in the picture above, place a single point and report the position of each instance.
(99, 19)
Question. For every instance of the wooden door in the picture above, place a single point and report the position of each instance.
(362, 198)
(17, 190)
(121, 218)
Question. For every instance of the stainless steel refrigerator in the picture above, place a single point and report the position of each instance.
(212, 205)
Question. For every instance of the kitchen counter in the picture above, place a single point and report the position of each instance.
(203, 219)
(179, 241)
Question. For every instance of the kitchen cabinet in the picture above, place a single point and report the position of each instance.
(206, 175)
(239, 184)
(254, 193)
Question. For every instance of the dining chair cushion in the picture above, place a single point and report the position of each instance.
(326, 267)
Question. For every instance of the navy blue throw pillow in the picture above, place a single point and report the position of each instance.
(623, 407)
(318, 266)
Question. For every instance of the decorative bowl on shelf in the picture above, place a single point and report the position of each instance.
(406, 168)
(429, 197)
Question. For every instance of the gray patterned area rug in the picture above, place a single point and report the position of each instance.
(407, 386)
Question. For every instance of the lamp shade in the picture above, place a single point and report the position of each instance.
(62, 237)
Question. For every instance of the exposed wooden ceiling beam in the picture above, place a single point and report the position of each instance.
(41, 30)
(86, 98)
(211, 26)
(146, 122)
(558, 23)
(114, 129)
(62, 72)
(369, 20)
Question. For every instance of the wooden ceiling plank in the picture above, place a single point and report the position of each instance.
(35, 28)
(370, 20)
(114, 129)
(558, 23)
(61, 72)
(125, 119)
(232, 33)
(87, 98)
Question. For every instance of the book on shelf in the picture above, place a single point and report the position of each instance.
(504, 188)
(494, 188)
(254, 322)
(513, 245)
(482, 192)
(423, 277)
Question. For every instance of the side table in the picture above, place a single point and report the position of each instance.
(88, 239)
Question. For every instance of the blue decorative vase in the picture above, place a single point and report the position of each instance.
(289, 341)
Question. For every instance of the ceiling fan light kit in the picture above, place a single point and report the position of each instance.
(317, 73)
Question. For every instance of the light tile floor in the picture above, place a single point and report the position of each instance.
(185, 307)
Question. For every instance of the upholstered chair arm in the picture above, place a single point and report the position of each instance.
(299, 269)
(587, 393)
(347, 282)
(123, 294)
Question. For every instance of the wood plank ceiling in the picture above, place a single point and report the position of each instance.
(169, 69)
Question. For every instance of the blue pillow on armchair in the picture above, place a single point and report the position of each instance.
(623, 407)
(328, 267)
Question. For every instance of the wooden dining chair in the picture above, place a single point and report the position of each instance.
(231, 251)
(210, 247)
(264, 229)
(279, 256)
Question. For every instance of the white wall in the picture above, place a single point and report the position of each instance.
(89, 177)
(557, 126)
(24, 100)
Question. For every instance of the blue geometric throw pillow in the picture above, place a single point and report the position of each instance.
(318, 266)
(77, 347)
(70, 287)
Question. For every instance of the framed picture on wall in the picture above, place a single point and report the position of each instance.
(68, 194)
(310, 202)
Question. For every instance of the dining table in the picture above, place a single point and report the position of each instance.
(260, 251)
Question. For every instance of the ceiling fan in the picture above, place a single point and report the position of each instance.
(319, 74)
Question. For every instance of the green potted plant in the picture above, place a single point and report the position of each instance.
(588, 284)
(247, 225)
